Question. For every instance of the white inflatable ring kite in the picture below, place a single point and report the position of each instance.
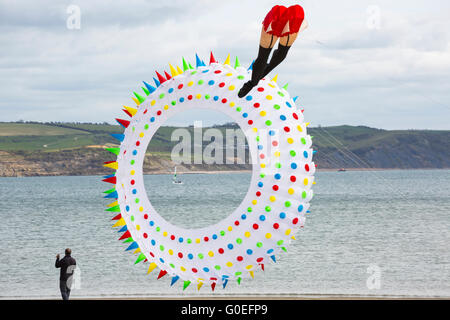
(279, 193)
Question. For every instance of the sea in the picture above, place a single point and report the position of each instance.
(369, 233)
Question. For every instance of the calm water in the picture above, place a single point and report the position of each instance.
(397, 221)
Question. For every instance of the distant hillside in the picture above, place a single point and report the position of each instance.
(28, 149)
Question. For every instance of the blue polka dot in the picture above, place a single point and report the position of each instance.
(305, 154)
(245, 114)
(153, 242)
(260, 147)
(152, 119)
(170, 90)
(214, 236)
(282, 215)
(180, 240)
(181, 99)
(161, 259)
(249, 98)
(216, 98)
(260, 184)
(283, 117)
(277, 176)
(262, 217)
(271, 133)
(270, 251)
(300, 208)
(206, 269)
(127, 208)
(230, 246)
(190, 256)
(249, 251)
(134, 152)
(211, 82)
(243, 217)
(152, 223)
(205, 71)
(288, 104)
(134, 191)
(293, 165)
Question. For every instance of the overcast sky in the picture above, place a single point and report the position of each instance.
(348, 67)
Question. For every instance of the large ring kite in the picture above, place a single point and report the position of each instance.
(276, 202)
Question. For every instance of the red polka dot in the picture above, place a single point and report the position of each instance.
(138, 143)
(145, 235)
(172, 237)
(260, 89)
(236, 223)
(145, 111)
(274, 143)
(151, 253)
(295, 116)
(132, 182)
(259, 259)
(293, 178)
(287, 129)
(224, 100)
(180, 86)
(206, 239)
(306, 167)
(275, 187)
(239, 258)
(255, 226)
(159, 112)
(190, 97)
(295, 221)
(250, 122)
(194, 270)
(221, 251)
(276, 225)
(262, 156)
(222, 84)
(125, 152)
(145, 216)
(217, 71)
(256, 105)
(258, 194)
(180, 255)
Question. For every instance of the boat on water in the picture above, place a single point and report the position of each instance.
(342, 170)
(176, 180)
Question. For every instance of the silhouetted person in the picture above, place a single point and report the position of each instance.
(67, 265)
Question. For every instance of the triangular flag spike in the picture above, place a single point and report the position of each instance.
(112, 180)
(128, 240)
(113, 165)
(185, 65)
(274, 79)
(262, 267)
(198, 61)
(295, 98)
(225, 282)
(251, 66)
(113, 209)
(123, 123)
(252, 274)
(118, 136)
(132, 246)
(112, 195)
(168, 77)
(132, 111)
(117, 217)
(161, 79)
(212, 59)
(156, 82)
(137, 250)
(128, 114)
(109, 176)
(199, 285)
(136, 101)
(123, 229)
(174, 279)
(186, 284)
(307, 124)
(213, 286)
(110, 190)
(116, 151)
(113, 204)
(273, 258)
(191, 67)
(173, 71)
(239, 280)
(140, 258)
(293, 237)
(139, 97)
(227, 60)
(145, 91)
(149, 87)
(179, 70)
(120, 223)
(161, 274)
(125, 235)
(285, 86)
(236, 63)
(151, 267)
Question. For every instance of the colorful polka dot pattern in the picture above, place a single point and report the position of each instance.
(280, 191)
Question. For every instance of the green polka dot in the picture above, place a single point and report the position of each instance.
(304, 194)
(292, 153)
(276, 106)
(303, 140)
(249, 209)
(193, 72)
(158, 229)
(281, 94)
(268, 122)
(259, 244)
(257, 138)
(200, 255)
(173, 103)
(161, 247)
(280, 242)
(207, 96)
(161, 95)
(239, 240)
(136, 200)
(200, 81)
(278, 165)
(287, 204)
(238, 273)
(133, 129)
(267, 208)
(217, 267)
(132, 161)
(240, 77)
(262, 175)
(222, 233)
(172, 265)
(132, 218)
(238, 109)
(189, 240)
(146, 127)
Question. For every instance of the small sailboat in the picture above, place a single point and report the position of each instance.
(175, 180)
(342, 170)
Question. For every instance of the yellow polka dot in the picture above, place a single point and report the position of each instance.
(152, 103)
(231, 88)
(229, 74)
(249, 267)
(190, 83)
(138, 227)
(272, 199)
(262, 113)
(299, 128)
(141, 209)
(268, 235)
(229, 264)
(198, 96)
(305, 181)
(263, 165)
(183, 269)
(247, 234)
(211, 254)
(276, 153)
(170, 251)
(141, 134)
(165, 233)
(288, 232)
(230, 228)
(255, 129)
(166, 107)
(197, 240)
(254, 202)
(132, 172)
(269, 97)
(291, 191)
(290, 140)
(271, 85)
(232, 104)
